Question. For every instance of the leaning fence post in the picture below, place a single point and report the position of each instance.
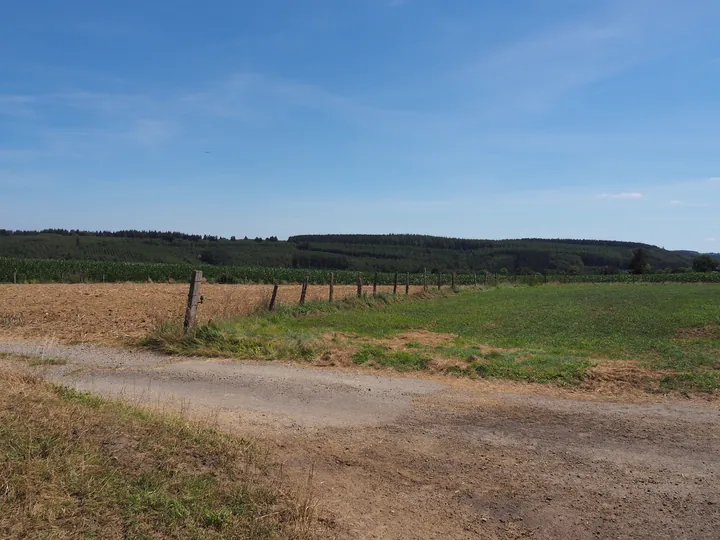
(359, 286)
(395, 283)
(332, 286)
(375, 284)
(274, 297)
(303, 292)
(407, 284)
(193, 300)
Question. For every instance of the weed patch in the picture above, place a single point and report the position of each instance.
(84, 467)
(377, 355)
(699, 381)
(527, 366)
(35, 361)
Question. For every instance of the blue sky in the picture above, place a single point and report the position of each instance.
(525, 118)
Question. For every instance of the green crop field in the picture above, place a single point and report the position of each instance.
(48, 271)
(669, 332)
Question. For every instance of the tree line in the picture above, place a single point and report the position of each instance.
(367, 253)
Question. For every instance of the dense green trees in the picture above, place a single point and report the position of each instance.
(382, 253)
(639, 263)
(704, 263)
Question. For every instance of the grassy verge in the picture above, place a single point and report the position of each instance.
(542, 334)
(269, 336)
(34, 361)
(76, 466)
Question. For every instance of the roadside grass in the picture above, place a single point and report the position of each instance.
(545, 334)
(532, 367)
(34, 361)
(264, 335)
(380, 356)
(78, 466)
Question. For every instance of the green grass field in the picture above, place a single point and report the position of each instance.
(542, 334)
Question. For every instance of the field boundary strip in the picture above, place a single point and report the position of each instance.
(61, 271)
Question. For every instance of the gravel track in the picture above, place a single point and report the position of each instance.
(397, 457)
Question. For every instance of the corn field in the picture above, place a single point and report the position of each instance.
(58, 271)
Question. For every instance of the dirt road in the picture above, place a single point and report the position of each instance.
(397, 457)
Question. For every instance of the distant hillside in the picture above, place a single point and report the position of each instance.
(692, 254)
(414, 252)
(386, 253)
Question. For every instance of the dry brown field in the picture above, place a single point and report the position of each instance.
(115, 313)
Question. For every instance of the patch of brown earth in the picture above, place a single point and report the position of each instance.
(709, 331)
(121, 313)
(421, 337)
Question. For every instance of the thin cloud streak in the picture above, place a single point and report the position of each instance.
(620, 196)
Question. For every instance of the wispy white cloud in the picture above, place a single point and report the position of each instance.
(19, 154)
(620, 196)
(16, 105)
(150, 133)
(538, 69)
(26, 180)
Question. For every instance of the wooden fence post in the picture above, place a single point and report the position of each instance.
(15, 277)
(375, 284)
(332, 286)
(439, 281)
(407, 284)
(193, 300)
(452, 285)
(425, 284)
(303, 292)
(395, 283)
(274, 297)
(475, 279)
(359, 286)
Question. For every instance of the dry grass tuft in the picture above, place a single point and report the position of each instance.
(74, 465)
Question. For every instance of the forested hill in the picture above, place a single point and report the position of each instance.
(385, 253)
(415, 252)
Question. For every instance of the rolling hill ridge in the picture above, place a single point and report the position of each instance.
(384, 253)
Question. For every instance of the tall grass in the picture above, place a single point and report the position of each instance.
(77, 466)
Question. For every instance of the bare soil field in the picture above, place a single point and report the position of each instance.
(116, 313)
(405, 458)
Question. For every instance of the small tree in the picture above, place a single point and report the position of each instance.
(704, 263)
(639, 263)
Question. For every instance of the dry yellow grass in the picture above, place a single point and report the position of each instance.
(76, 466)
(123, 312)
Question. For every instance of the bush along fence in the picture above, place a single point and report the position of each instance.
(58, 271)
